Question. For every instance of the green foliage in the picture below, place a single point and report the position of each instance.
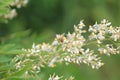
(40, 20)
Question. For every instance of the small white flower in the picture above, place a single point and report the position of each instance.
(54, 77)
(12, 14)
(81, 24)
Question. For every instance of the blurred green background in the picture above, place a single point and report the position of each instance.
(40, 20)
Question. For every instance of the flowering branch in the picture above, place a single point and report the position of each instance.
(73, 48)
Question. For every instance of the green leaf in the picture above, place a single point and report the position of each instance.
(15, 78)
(7, 67)
(4, 59)
(4, 10)
(11, 49)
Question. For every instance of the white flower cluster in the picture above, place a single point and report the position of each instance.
(73, 48)
(115, 33)
(12, 12)
(56, 77)
(100, 30)
(19, 3)
(109, 49)
(104, 32)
